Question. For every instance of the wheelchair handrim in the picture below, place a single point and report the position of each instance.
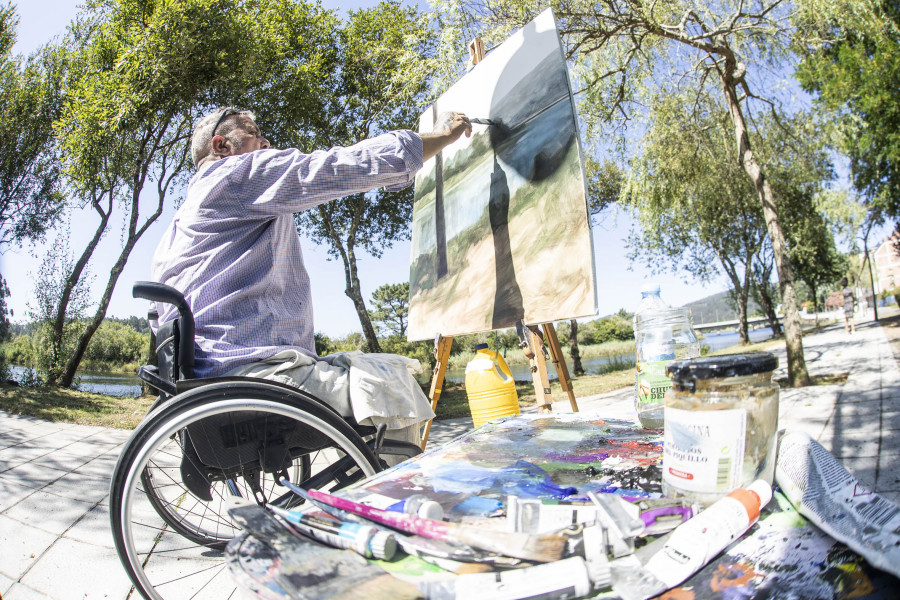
(176, 424)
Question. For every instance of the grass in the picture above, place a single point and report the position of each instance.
(72, 406)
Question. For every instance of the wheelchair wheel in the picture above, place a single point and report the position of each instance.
(169, 499)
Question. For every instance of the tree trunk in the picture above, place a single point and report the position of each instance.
(57, 374)
(354, 292)
(577, 367)
(134, 234)
(798, 375)
(741, 291)
(815, 295)
(352, 288)
(768, 306)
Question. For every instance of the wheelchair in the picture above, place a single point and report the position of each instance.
(206, 443)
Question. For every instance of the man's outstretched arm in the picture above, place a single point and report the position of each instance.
(449, 127)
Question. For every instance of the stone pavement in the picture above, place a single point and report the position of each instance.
(54, 478)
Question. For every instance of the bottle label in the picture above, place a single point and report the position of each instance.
(704, 449)
(652, 382)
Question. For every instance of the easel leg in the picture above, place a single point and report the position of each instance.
(559, 361)
(539, 371)
(442, 356)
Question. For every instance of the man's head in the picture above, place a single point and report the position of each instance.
(225, 132)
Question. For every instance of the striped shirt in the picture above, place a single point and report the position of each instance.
(234, 252)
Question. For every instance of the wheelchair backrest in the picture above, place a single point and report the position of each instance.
(174, 339)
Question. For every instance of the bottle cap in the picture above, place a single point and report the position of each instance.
(383, 545)
(429, 509)
(650, 288)
(718, 367)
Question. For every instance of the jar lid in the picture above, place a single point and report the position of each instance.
(480, 347)
(718, 367)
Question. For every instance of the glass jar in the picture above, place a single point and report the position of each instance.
(721, 417)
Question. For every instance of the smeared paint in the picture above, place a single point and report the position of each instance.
(522, 478)
(733, 580)
(679, 593)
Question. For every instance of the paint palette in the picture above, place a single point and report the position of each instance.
(529, 456)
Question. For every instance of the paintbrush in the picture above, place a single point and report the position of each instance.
(544, 548)
(414, 545)
(500, 130)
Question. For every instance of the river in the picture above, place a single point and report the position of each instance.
(130, 385)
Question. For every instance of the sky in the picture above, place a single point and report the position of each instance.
(618, 281)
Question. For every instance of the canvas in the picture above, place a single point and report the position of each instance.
(500, 230)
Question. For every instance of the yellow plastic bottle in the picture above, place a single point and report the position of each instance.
(490, 386)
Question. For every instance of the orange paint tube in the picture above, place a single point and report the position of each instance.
(695, 543)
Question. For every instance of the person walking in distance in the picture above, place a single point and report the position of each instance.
(849, 303)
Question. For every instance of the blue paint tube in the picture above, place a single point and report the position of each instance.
(419, 505)
(362, 539)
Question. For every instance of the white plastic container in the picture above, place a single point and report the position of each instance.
(661, 334)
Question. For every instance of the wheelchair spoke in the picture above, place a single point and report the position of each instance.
(170, 538)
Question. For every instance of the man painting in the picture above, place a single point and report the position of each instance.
(233, 250)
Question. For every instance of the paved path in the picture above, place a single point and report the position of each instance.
(54, 478)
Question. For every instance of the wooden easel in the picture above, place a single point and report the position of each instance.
(534, 344)
(531, 340)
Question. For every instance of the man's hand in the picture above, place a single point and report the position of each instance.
(449, 127)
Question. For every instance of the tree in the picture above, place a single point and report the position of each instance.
(378, 83)
(800, 167)
(632, 54)
(763, 291)
(391, 302)
(694, 206)
(138, 75)
(55, 341)
(853, 67)
(30, 199)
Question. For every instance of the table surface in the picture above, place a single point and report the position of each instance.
(544, 456)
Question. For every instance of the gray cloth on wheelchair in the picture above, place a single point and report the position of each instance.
(372, 388)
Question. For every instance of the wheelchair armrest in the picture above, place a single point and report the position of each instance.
(150, 374)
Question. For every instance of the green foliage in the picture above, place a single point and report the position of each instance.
(58, 328)
(612, 328)
(605, 181)
(30, 100)
(117, 343)
(375, 80)
(854, 69)
(695, 207)
(391, 302)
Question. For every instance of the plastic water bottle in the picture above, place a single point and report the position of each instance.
(490, 386)
(661, 334)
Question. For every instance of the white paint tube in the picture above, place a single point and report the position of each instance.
(824, 492)
(560, 580)
(694, 543)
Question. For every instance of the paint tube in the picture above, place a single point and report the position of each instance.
(694, 543)
(824, 492)
(559, 580)
(418, 505)
(362, 539)
(617, 519)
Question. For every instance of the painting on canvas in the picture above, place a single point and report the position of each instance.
(501, 231)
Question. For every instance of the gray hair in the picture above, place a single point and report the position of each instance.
(201, 139)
